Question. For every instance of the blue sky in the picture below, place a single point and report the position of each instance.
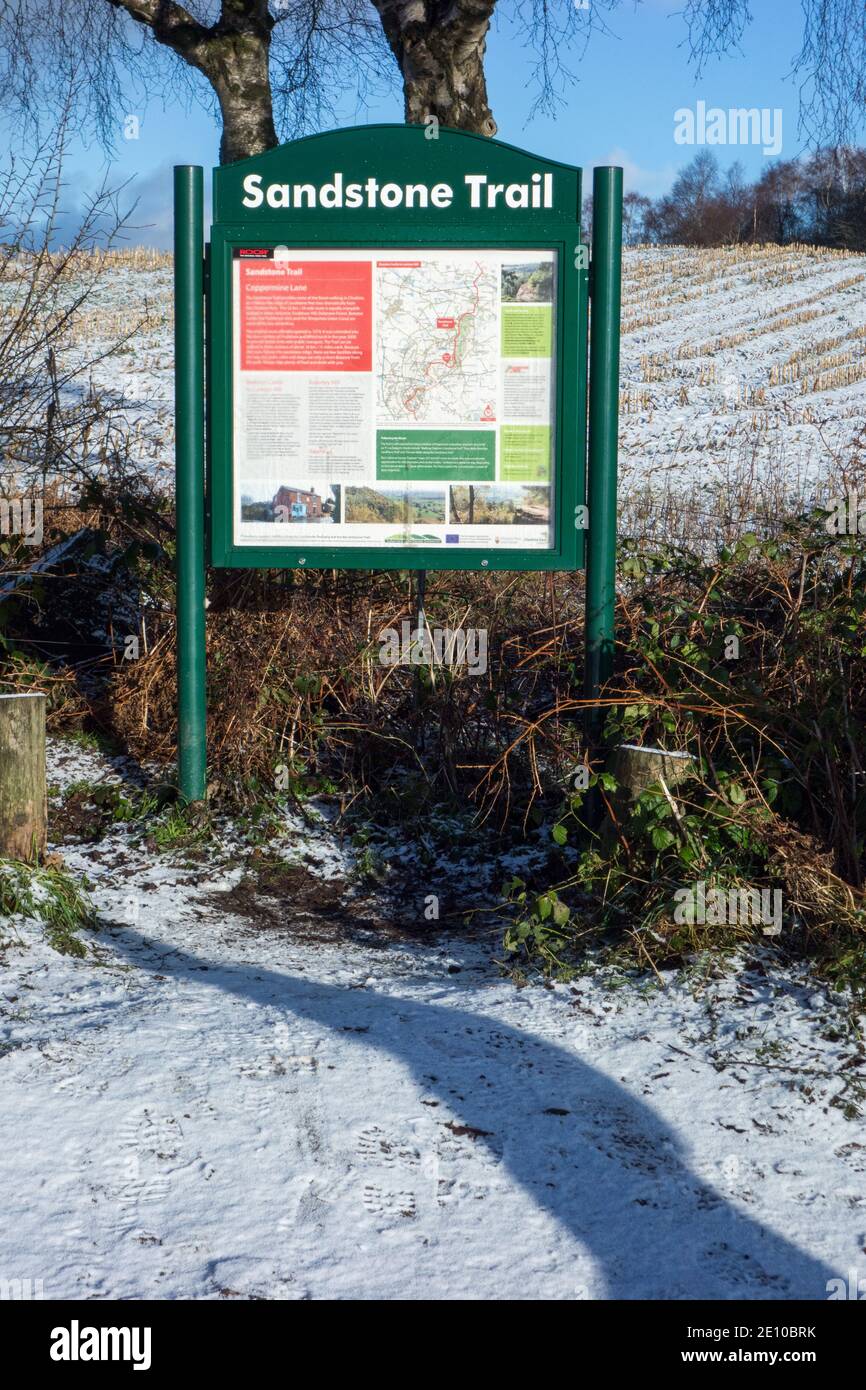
(619, 111)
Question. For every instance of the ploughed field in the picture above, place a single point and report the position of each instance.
(743, 378)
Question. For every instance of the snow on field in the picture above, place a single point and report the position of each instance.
(743, 374)
(219, 1103)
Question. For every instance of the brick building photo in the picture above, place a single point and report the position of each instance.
(296, 504)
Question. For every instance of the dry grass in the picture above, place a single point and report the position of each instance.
(295, 678)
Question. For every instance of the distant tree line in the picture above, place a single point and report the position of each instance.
(819, 199)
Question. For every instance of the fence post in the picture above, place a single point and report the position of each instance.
(604, 329)
(189, 478)
(22, 776)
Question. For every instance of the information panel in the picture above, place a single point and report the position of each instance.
(396, 355)
(394, 397)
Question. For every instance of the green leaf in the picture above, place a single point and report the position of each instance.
(561, 913)
(661, 838)
(560, 834)
(510, 885)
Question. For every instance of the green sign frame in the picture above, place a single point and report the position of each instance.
(396, 156)
(547, 217)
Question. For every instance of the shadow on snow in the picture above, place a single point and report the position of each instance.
(610, 1171)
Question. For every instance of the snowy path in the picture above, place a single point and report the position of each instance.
(203, 1109)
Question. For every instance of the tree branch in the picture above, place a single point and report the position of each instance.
(246, 15)
(171, 25)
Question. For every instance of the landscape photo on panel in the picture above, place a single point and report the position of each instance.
(385, 398)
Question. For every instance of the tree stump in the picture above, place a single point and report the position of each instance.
(23, 808)
(636, 768)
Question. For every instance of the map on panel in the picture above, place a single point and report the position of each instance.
(438, 340)
(395, 397)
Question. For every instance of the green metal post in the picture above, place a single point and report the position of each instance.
(604, 326)
(189, 477)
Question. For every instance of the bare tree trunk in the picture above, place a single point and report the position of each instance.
(440, 47)
(237, 66)
(233, 55)
(22, 776)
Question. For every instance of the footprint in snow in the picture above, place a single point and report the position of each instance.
(391, 1207)
(373, 1145)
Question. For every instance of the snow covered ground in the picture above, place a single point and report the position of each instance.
(742, 375)
(222, 1103)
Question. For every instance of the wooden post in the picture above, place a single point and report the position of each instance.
(636, 768)
(23, 810)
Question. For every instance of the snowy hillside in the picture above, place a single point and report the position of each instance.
(743, 375)
(743, 381)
